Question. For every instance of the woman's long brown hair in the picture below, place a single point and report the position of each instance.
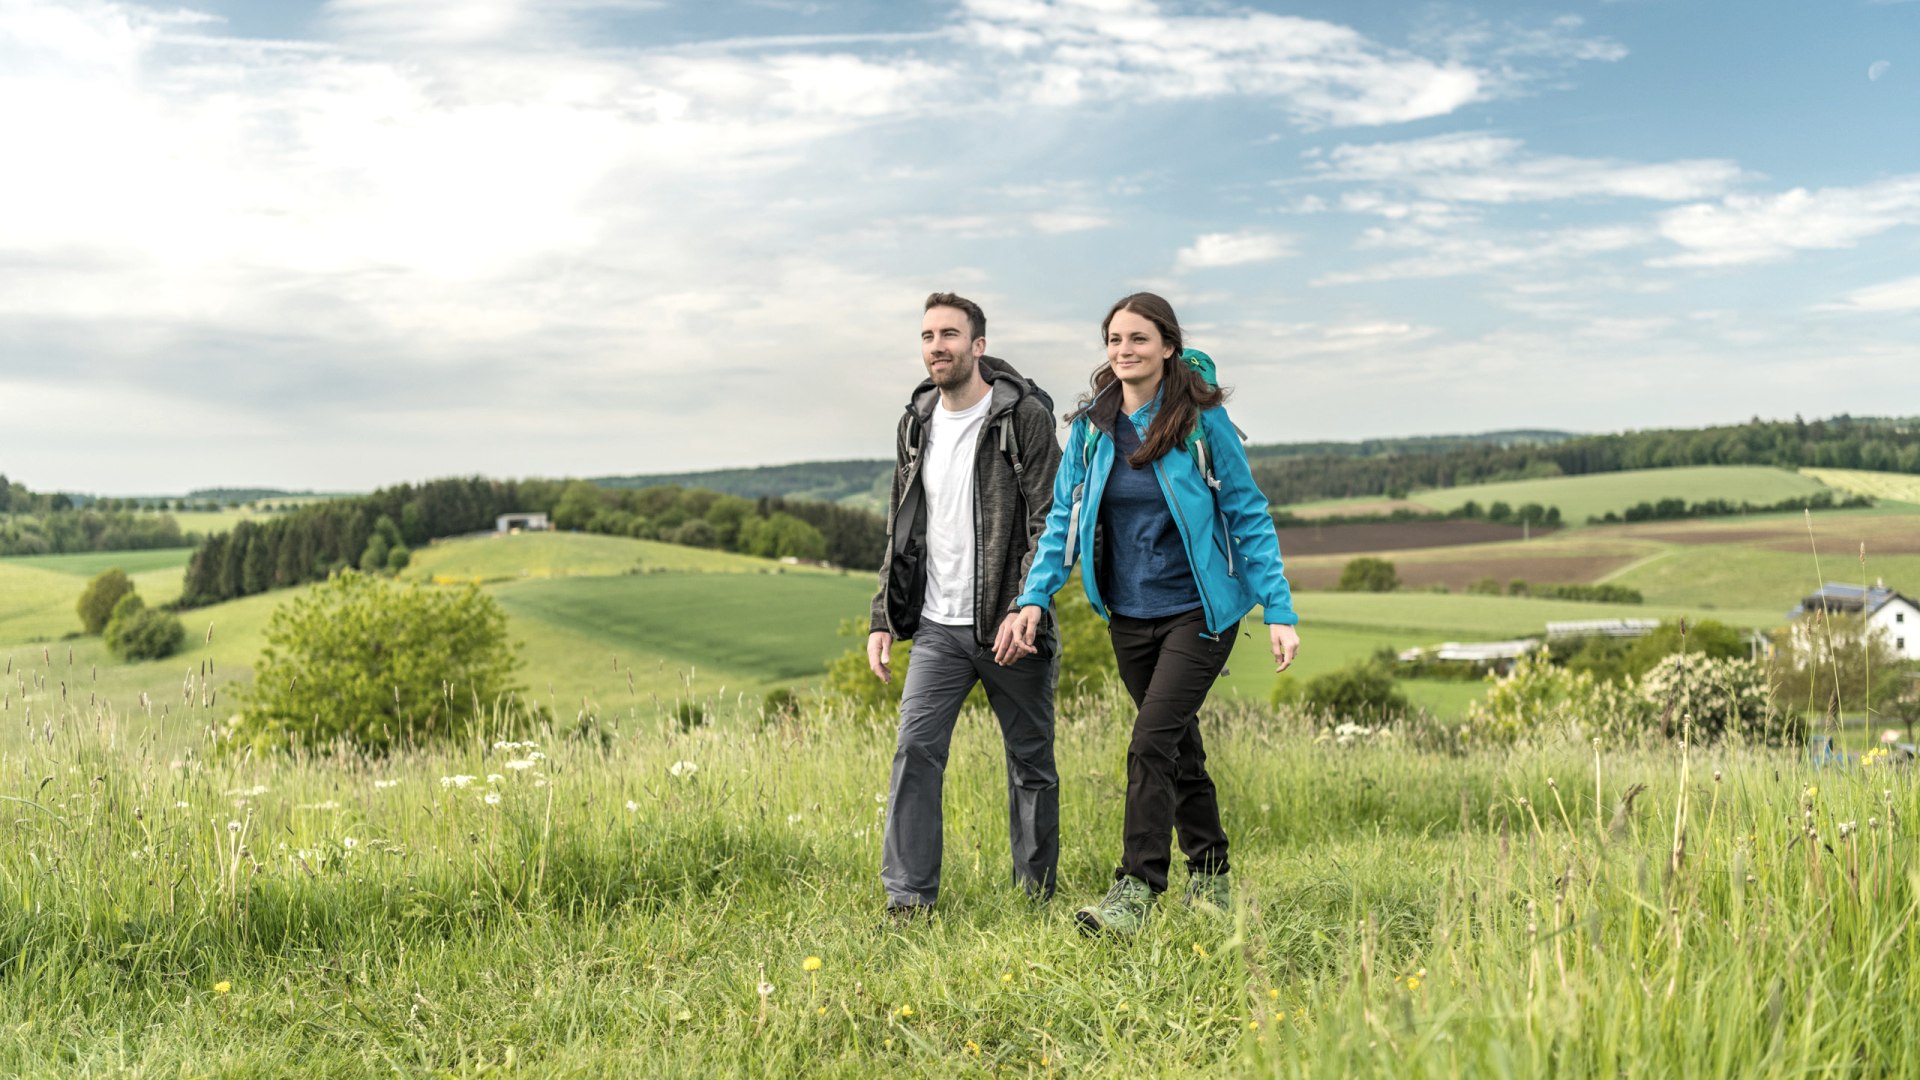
(1183, 393)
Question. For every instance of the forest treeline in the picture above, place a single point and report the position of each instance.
(1843, 442)
(373, 532)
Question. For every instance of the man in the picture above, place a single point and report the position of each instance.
(973, 480)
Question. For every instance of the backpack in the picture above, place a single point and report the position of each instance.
(1001, 427)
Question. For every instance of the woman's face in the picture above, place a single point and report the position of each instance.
(1135, 350)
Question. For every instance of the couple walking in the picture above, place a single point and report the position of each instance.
(984, 521)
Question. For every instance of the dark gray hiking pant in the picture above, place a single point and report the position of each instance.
(941, 670)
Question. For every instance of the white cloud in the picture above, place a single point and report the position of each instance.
(1495, 169)
(1069, 221)
(1877, 69)
(1890, 296)
(1749, 229)
(1213, 250)
(1450, 254)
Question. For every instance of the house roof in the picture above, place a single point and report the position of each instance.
(1849, 599)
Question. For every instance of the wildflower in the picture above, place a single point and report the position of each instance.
(682, 768)
(1253, 1025)
(233, 826)
(520, 763)
(349, 843)
(1716, 776)
(811, 963)
(1122, 1007)
(880, 797)
(1198, 951)
(683, 1014)
(973, 1048)
(458, 781)
(1006, 976)
(542, 782)
(221, 987)
(494, 778)
(823, 1010)
(180, 806)
(794, 819)
(1552, 783)
(536, 756)
(1413, 982)
(491, 798)
(906, 1011)
(383, 784)
(766, 989)
(1273, 994)
(632, 806)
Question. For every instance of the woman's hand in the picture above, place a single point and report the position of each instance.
(1286, 645)
(1015, 638)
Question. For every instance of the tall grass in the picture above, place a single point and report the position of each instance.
(637, 895)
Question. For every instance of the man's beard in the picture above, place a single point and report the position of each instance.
(959, 372)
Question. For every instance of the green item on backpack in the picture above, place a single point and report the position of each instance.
(1202, 365)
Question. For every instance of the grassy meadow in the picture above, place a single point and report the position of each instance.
(570, 907)
(1580, 497)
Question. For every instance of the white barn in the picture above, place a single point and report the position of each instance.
(1895, 617)
(524, 522)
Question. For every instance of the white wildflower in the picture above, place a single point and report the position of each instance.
(494, 778)
(492, 798)
(683, 768)
(233, 826)
(459, 781)
(349, 843)
(794, 819)
(383, 784)
(520, 763)
(632, 806)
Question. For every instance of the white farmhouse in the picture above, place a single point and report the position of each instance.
(1895, 617)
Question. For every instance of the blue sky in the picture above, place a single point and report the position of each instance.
(346, 243)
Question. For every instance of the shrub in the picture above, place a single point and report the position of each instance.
(1536, 695)
(377, 665)
(98, 598)
(688, 715)
(137, 632)
(1835, 666)
(779, 707)
(1719, 698)
(1368, 574)
(1364, 689)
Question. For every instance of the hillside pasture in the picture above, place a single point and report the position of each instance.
(1581, 497)
(1358, 505)
(38, 593)
(494, 557)
(1900, 487)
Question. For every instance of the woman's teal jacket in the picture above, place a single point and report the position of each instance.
(1227, 532)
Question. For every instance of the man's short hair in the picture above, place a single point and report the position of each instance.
(976, 319)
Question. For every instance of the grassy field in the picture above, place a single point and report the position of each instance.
(1902, 487)
(555, 554)
(1580, 497)
(658, 898)
(38, 593)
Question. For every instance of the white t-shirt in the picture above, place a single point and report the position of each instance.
(946, 472)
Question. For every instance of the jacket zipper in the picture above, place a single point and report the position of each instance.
(1186, 534)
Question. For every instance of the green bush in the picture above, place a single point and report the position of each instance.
(780, 706)
(98, 598)
(1367, 574)
(375, 665)
(1363, 690)
(137, 632)
(1712, 698)
(1535, 696)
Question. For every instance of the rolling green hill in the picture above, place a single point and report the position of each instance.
(1581, 497)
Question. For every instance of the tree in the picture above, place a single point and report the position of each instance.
(1363, 690)
(364, 663)
(1835, 663)
(99, 597)
(1367, 574)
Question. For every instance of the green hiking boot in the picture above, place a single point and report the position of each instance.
(1208, 892)
(1122, 911)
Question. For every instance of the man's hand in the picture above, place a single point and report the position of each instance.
(1015, 638)
(880, 654)
(1286, 645)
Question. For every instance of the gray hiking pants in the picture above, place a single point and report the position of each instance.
(941, 671)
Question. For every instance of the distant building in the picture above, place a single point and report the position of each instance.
(510, 523)
(1497, 656)
(1623, 628)
(1894, 616)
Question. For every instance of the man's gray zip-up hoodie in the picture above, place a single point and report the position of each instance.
(1009, 510)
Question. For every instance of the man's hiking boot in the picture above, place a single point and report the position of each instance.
(1208, 892)
(902, 916)
(1122, 911)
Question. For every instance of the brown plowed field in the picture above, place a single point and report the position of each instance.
(1457, 574)
(1882, 535)
(1355, 509)
(1303, 540)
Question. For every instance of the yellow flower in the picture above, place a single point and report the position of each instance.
(906, 1010)
(973, 1048)
(1279, 1018)
(811, 963)
(1413, 982)
(1253, 1025)
(222, 986)
(1273, 995)
(1006, 976)
(1122, 1007)
(1198, 951)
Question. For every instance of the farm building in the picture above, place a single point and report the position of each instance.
(1624, 628)
(1894, 616)
(530, 522)
(1497, 656)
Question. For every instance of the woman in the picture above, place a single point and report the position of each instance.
(1154, 488)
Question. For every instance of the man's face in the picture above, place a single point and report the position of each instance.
(948, 347)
